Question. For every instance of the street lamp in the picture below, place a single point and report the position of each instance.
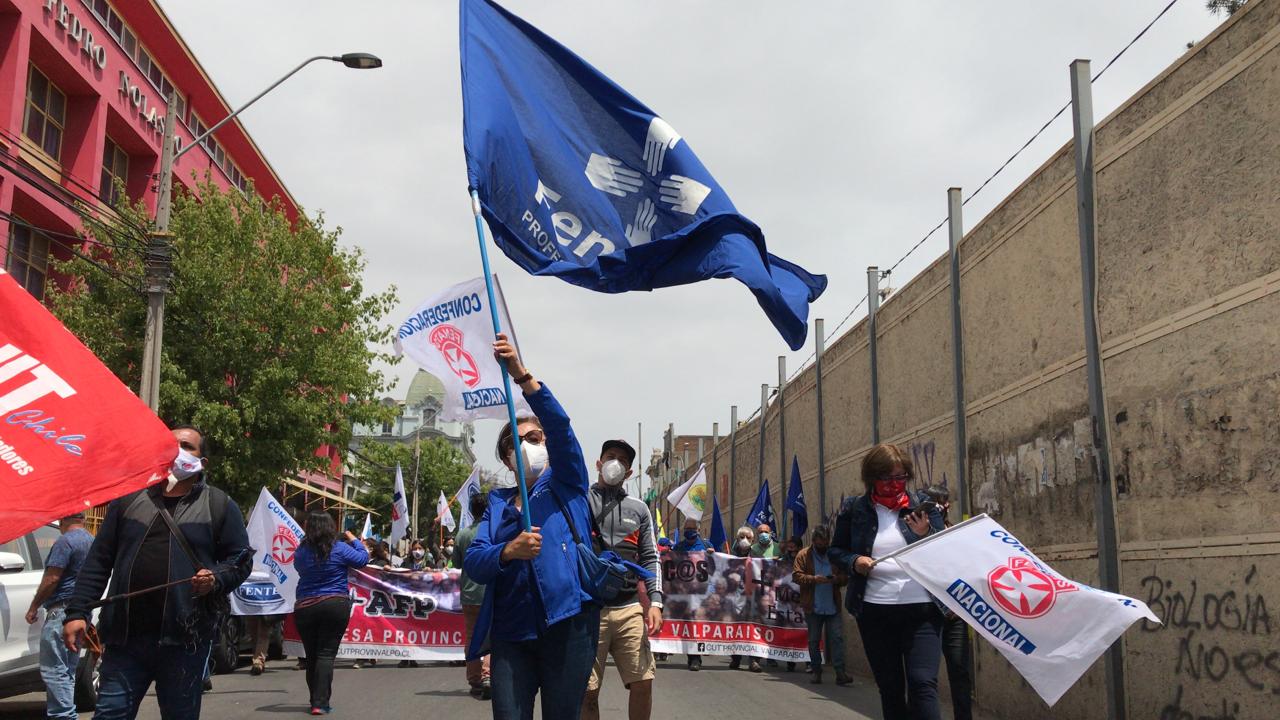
(158, 255)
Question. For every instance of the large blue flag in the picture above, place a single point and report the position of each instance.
(795, 501)
(580, 180)
(761, 512)
(719, 539)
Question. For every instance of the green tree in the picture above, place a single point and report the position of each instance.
(440, 468)
(1224, 7)
(267, 333)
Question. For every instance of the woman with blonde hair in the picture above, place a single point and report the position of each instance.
(900, 623)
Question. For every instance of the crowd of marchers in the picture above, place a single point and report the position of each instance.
(534, 624)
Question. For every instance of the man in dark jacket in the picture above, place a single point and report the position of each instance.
(162, 636)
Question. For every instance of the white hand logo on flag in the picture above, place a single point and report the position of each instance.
(612, 176)
(660, 138)
(640, 231)
(684, 194)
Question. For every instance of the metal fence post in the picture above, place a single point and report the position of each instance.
(820, 343)
(873, 304)
(715, 457)
(764, 406)
(783, 478)
(955, 227)
(1086, 198)
(733, 460)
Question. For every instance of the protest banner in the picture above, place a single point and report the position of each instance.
(72, 436)
(398, 615)
(1049, 628)
(718, 604)
(275, 537)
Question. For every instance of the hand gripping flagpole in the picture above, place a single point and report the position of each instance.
(506, 377)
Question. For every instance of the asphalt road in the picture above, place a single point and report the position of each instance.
(437, 690)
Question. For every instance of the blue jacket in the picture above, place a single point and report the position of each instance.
(318, 577)
(855, 533)
(528, 596)
(698, 544)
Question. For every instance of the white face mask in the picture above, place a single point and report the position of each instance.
(184, 467)
(535, 457)
(613, 473)
(417, 554)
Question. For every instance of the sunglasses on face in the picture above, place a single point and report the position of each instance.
(900, 478)
(534, 437)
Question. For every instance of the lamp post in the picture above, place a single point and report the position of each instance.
(159, 258)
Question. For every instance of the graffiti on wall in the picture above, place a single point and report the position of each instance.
(1220, 655)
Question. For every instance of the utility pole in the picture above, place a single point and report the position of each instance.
(417, 454)
(159, 267)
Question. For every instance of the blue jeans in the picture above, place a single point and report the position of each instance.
(904, 646)
(835, 640)
(128, 670)
(57, 666)
(558, 662)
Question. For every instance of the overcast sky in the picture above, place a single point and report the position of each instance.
(837, 126)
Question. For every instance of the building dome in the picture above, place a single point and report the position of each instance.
(424, 385)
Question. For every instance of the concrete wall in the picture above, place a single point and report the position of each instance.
(1189, 258)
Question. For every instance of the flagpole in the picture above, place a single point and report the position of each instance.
(506, 377)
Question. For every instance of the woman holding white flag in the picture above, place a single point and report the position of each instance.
(900, 623)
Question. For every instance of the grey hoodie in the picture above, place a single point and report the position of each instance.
(623, 524)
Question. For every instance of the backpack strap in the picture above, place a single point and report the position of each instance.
(568, 519)
(177, 533)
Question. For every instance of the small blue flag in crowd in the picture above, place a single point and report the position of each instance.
(580, 180)
(719, 539)
(761, 512)
(795, 501)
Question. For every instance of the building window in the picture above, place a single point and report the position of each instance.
(46, 113)
(386, 428)
(28, 258)
(115, 166)
(129, 43)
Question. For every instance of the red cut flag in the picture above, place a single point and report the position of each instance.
(71, 435)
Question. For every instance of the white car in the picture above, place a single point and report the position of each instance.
(21, 568)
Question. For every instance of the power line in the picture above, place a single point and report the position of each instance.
(998, 170)
(70, 177)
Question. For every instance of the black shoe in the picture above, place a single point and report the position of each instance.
(402, 664)
(817, 679)
(755, 666)
(208, 685)
(808, 667)
(791, 667)
(483, 691)
(843, 679)
(735, 663)
(695, 664)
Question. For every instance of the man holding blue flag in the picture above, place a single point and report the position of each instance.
(580, 180)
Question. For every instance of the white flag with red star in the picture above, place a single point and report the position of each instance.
(1050, 628)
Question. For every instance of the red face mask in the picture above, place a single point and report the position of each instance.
(891, 494)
